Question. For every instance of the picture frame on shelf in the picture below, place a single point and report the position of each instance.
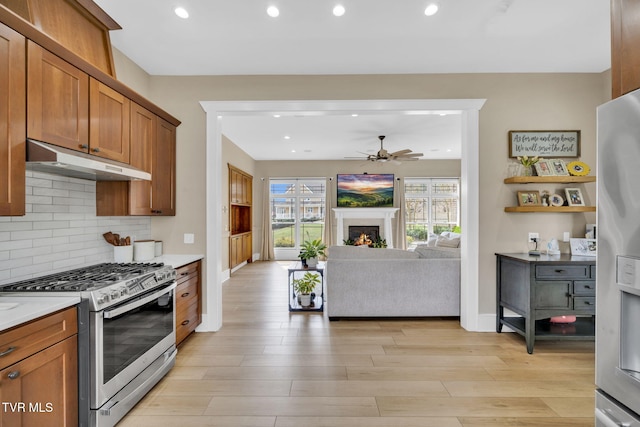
(574, 197)
(583, 247)
(529, 198)
(556, 200)
(558, 167)
(543, 168)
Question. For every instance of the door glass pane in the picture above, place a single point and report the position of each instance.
(283, 222)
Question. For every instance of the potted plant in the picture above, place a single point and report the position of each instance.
(310, 251)
(304, 286)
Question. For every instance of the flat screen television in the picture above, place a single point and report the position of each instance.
(368, 190)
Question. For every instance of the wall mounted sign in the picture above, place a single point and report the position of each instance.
(545, 143)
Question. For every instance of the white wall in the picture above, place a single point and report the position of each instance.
(60, 230)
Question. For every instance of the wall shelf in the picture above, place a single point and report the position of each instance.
(556, 209)
(549, 179)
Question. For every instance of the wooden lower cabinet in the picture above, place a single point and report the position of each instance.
(188, 300)
(240, 249)
(39, 372)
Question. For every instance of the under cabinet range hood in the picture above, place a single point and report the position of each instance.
(56, 160)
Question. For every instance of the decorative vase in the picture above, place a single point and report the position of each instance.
(527, 170)
(312, 262)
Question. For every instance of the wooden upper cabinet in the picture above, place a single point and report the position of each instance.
(143, 136)
(625, 39)
(163, 176)
(12, 122)
(58, 100)
(110, 115)
(240, 186)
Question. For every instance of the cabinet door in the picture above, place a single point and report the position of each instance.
(110, 120)
(553, 295)
(246, 189)
(247, 247)
(12, 122)
(58, 101)
(625, 38)
(163, 176)
(143, 136)
(46, 384)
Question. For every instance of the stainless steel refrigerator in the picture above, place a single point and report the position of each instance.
(618, 263)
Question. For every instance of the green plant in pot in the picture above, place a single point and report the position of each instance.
(304, 286)
(310, 251)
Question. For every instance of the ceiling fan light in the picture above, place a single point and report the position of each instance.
(431, 9)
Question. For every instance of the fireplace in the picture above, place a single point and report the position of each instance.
(364, 234)
(382, 216)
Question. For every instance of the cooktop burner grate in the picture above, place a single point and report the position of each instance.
(84, 278)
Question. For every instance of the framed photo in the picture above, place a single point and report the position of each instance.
(528, 198)
(558, 167)
(556, 200)
(543, 168)
(544, 143)
(583, 247)
(574, 196)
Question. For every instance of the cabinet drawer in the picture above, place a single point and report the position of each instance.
(563, 271)
(187, 272)
(552, 295)
(186, 321)
(186, 292)
(586, 304)
(25, 340)
(584, 288)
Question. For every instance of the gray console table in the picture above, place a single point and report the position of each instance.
(540, 287)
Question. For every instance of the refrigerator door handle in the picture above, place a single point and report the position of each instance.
(608, 420)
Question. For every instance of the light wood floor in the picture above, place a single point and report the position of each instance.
(269, 367)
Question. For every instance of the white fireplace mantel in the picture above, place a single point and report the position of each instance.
(385, 214)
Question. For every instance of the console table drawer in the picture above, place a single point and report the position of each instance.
(587, 304)
(562, 272)
(584, 288)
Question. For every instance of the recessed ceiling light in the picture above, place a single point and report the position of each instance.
(276, 116)
(287, 137)
(354, 115)
(338, 10)
(432, 9)
(181, 12)
(293, 151)
(273, 11)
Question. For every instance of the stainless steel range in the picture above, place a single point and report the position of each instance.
(128, 313)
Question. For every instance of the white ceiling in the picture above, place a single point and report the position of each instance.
(235, 37)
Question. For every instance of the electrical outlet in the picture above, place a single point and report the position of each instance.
(533, 236)
(189, 238)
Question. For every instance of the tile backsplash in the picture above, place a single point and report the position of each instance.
(60, 230)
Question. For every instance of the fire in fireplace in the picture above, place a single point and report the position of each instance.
(364, 234)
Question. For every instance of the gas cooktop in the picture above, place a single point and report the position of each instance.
(103, 284)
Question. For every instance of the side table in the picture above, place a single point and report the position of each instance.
(317, 304)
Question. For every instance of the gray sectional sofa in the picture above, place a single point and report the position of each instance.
(367, 282)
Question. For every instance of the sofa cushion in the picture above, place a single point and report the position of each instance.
(356, 252)
(425, 251)
(448, 242)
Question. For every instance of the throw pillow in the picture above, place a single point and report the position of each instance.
(446, 242)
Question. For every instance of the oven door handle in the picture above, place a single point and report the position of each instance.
(109, 314)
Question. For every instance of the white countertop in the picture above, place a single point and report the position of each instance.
(29, 308)
(177, 261)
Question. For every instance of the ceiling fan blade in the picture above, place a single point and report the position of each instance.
(401, 152)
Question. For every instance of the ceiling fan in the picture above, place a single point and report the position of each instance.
(384, 156)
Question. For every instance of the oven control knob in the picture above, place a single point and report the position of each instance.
(124, 291)
(103, 298)
(115, 294)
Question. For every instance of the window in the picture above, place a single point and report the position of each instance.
(297, 213)
(432, 205)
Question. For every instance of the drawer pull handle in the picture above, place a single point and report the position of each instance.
(13, 375)
(560, 271)
(186, 294)
(587, 286)
(185, 323)
(8, 351)
(588, 303)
